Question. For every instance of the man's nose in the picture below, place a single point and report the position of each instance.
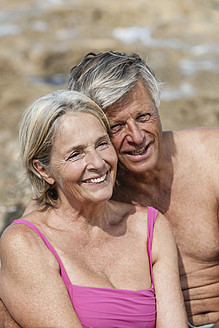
(134, 132)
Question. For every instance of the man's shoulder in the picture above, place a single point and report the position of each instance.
(198, 136)
(193, 146)
(199, 131)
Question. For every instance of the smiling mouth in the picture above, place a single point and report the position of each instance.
(138, 152)
(96, 180)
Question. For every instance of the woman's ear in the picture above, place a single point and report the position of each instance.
(43, 171)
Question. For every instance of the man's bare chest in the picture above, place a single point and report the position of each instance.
(194, 221)
(192, 210)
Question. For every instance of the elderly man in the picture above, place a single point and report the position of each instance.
(174, 171)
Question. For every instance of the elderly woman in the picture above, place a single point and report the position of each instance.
(81, 259)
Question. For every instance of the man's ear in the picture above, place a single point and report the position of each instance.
(43, 171)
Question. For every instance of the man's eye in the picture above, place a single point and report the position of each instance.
(144, 117)
(115, 128)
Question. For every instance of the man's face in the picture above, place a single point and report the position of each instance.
(136, 130)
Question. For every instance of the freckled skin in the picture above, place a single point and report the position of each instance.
(72, 163)
(135, 124)
(178, 175)
(101, 243)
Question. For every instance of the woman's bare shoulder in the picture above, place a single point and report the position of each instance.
(16, 237)
(19, 242)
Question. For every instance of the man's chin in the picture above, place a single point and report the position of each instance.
(138, 167)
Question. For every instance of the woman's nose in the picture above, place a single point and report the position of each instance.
(94, 159)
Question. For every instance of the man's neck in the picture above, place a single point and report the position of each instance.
(152, 187)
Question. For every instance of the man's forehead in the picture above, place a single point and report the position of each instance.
(132, 109)
(137, 99)
(115, 111)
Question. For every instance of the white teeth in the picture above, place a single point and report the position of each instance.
(137, 152)
(96, 180)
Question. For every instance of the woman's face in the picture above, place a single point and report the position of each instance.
(83, 160)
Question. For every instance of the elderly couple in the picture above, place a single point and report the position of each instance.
(104, 246)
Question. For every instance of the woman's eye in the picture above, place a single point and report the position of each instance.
(103, 144)
(74, 156)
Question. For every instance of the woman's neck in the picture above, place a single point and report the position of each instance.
(88, 212)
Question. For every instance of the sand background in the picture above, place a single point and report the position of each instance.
(40, 40)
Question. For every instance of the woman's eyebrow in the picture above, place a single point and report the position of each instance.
(82, 146)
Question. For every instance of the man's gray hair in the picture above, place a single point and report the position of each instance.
(108, 77)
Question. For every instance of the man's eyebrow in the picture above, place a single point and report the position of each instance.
(118, 121)
(149, 109)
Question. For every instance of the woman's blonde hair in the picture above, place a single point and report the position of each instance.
(37, 130)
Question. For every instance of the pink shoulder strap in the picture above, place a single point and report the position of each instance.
(63, 273)
(152, 215)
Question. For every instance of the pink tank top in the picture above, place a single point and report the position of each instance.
(107, 307)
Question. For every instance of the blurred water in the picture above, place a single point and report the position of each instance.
(56, 79)
(145, 36)
(198, 57)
